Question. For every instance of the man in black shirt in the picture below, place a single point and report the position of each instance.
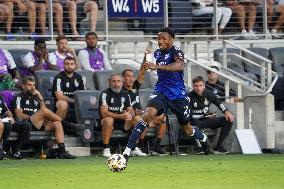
(132, 87)
(9, 124)
(200, 101)
(5, 128)
(216, 86)
(64, 86)
(29, 106)
(115, 111)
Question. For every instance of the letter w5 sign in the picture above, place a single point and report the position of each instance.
(135, 8)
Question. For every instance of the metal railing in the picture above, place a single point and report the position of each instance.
(176, 14)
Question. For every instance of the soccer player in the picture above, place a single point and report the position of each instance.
(29, 106)
(64, 85)
(132, 87)
(200, 100)
(169, 92)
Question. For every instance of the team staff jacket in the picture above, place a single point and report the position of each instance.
(30, 104)
(199, 105)
(116, 102)
(134, 95)
(68, 85)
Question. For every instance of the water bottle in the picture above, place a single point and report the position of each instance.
(20, 34)
(47, 32)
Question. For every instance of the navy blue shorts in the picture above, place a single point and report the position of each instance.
(180, 107)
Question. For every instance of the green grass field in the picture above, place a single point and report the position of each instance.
(191, 171)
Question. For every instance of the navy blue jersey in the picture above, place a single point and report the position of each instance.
(170, 83)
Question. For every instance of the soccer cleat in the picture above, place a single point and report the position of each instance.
(205, 145)
(66, 155)
(126, 157)
(220, 151)
(18, 155)
(3, 155)
(199, 151)
(137, 152)
(106, 152)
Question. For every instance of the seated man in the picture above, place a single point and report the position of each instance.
(115, 111)
(64, 85)
(216, 86)
(93, 58)
(274, 8)
(132, 86)
(29, 106)
(57, 57)
(200, 101)
(36, 10)
(7, 67)
(37, 60)
(9, 124)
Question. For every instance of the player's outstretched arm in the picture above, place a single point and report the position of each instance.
(178, 65)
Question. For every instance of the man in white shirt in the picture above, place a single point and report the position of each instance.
(37, 60)
(57, 57)
(93, 58)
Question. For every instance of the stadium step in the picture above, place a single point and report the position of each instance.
(79, 151)
(279, 115)
(279, 134)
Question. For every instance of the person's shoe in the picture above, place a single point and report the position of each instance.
(126, 157)
(205, 145)
(220, 151)
(106, 152)
(274, 34)
(66, 155)
(3, 155)
(199, 151)
(252, 35)
(18, 155)
(137, 152)
(10, 36)
(268, 35)
(159, 151)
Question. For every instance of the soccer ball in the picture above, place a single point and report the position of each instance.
(116, 163)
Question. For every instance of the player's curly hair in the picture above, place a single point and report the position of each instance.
(168, 30)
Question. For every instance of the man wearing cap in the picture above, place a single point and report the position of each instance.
(216, 86)
(37, 60)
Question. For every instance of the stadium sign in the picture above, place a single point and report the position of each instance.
(135, 8)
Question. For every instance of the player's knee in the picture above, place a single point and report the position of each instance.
(107, 122)
(62, 105)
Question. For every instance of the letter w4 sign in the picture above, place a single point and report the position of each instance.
(135, 8)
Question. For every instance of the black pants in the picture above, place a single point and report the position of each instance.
(214, 123)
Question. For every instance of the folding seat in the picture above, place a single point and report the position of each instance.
(101, 79)
(277, 56)
(44, 83)
(87, 78)
(17, 55)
